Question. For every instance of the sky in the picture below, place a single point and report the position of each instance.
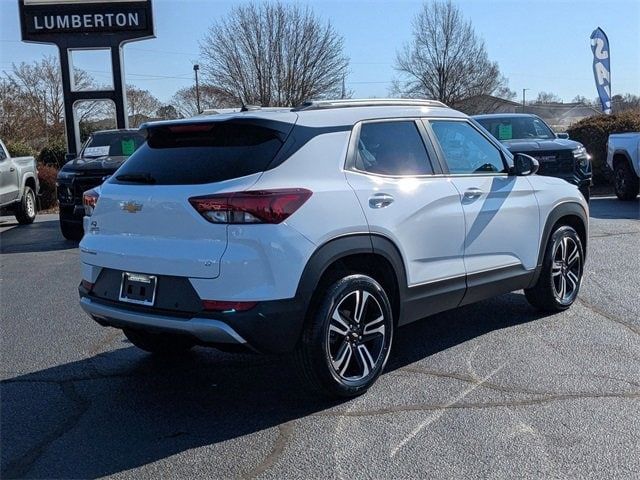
(540, 45)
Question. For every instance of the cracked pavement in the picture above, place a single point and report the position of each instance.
(491, 390)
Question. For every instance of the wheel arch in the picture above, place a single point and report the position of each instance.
(30, 181)
(370, 254)
(567, 213)
(621, 156)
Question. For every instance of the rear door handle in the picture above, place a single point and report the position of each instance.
(472, 193)
(12, 169)
(380, 200)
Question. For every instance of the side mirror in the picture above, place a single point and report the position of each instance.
(524, 165)
(564, 136)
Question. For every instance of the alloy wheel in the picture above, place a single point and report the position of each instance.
(356, 336)
(566, 269)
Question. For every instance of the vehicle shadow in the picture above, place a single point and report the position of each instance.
(123, 409)
(612, 208)
(500, 190)
(41, 236)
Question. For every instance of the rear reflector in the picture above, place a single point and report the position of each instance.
(260, 206)
(222, 306)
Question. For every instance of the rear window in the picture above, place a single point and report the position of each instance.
(201, 153)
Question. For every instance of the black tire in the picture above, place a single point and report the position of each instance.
(158, 343)
(336, 356)
(626, 183)
(27, 209)
(559, 265)
(71, 231)
(586, 192)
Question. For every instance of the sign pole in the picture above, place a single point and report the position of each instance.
(122, 117)
(69, 114)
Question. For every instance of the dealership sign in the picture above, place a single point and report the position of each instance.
(602, 67)
(53, 21)
(87, 25)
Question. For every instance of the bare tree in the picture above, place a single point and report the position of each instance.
(185, 100)
(141, 104)
(33, 103)
(621, 103)
(446, 60)
(581, 99)
(274, 54)
(547, 97)
(167, 112)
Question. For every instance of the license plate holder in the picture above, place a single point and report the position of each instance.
(138, 288)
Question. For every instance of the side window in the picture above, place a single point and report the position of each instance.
(392, 148)
(541, 130)
(3, 156)
(465, 149)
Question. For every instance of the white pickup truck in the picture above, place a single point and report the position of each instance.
(18, 186)
(623, 157)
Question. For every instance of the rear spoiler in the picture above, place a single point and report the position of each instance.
(282, 128)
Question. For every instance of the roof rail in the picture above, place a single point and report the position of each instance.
(367, 102)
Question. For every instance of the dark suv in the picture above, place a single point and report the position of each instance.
(558, 156)
(100, 156)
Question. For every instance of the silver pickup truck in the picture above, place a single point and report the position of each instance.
(623, 157)
(18, 186)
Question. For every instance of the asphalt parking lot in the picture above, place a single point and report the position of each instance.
(492, 390)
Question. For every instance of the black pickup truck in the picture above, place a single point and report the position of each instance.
(100, 156)
(558, 156)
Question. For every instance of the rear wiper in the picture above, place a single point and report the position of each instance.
(136, 178)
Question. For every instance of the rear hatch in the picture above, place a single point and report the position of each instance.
(144, 222)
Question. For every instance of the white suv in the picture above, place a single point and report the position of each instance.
(321, 229)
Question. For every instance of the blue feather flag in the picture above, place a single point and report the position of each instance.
(602, 67)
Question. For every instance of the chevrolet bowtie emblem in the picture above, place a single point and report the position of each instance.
(131, 207)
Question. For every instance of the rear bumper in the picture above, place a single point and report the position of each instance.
(206, 330)
(270, 327)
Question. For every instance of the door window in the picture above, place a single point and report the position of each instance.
(392, 148)
(467, 151)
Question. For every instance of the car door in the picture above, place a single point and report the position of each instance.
(405, 200)
(500, 209)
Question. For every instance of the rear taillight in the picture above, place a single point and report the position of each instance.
(260, 206)
(90, 200)
(87, 285)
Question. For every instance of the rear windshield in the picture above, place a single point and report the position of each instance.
(201, 153)
(112, 144)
